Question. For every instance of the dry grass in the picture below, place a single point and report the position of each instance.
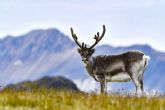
(67, 100)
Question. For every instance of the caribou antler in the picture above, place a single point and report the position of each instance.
(98, 37)
(75, 38)
(83, 45)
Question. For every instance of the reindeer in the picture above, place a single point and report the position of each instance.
(113, 68)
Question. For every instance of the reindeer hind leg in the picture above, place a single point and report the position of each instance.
(141, 80)
(135, 80)
(138, 81)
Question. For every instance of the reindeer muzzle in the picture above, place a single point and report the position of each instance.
(84, 59)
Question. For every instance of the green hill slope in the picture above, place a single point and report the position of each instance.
(58, 82)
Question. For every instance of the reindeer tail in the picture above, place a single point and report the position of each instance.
(146, 59)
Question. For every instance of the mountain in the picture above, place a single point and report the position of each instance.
(49, 52)
(46, 82)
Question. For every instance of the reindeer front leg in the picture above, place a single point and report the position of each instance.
(103, 86)
(103, 83)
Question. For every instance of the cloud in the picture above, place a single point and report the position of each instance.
(124, 19)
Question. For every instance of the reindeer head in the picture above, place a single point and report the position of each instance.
(85, 51)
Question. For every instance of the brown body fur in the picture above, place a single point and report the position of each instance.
(101, 63)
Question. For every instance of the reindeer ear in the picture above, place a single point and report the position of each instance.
(79, 50)
(92, 51)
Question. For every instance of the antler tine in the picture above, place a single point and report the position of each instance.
(75, 39)
(98, 38)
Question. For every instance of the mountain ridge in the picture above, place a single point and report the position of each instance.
(50, 53)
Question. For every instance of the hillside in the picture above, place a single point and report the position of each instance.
(58, 82)
(49, 52)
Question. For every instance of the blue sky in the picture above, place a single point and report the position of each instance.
(127, 21)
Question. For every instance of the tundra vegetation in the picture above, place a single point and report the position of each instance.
(52, 99)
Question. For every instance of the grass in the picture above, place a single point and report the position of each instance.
(67, 100)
